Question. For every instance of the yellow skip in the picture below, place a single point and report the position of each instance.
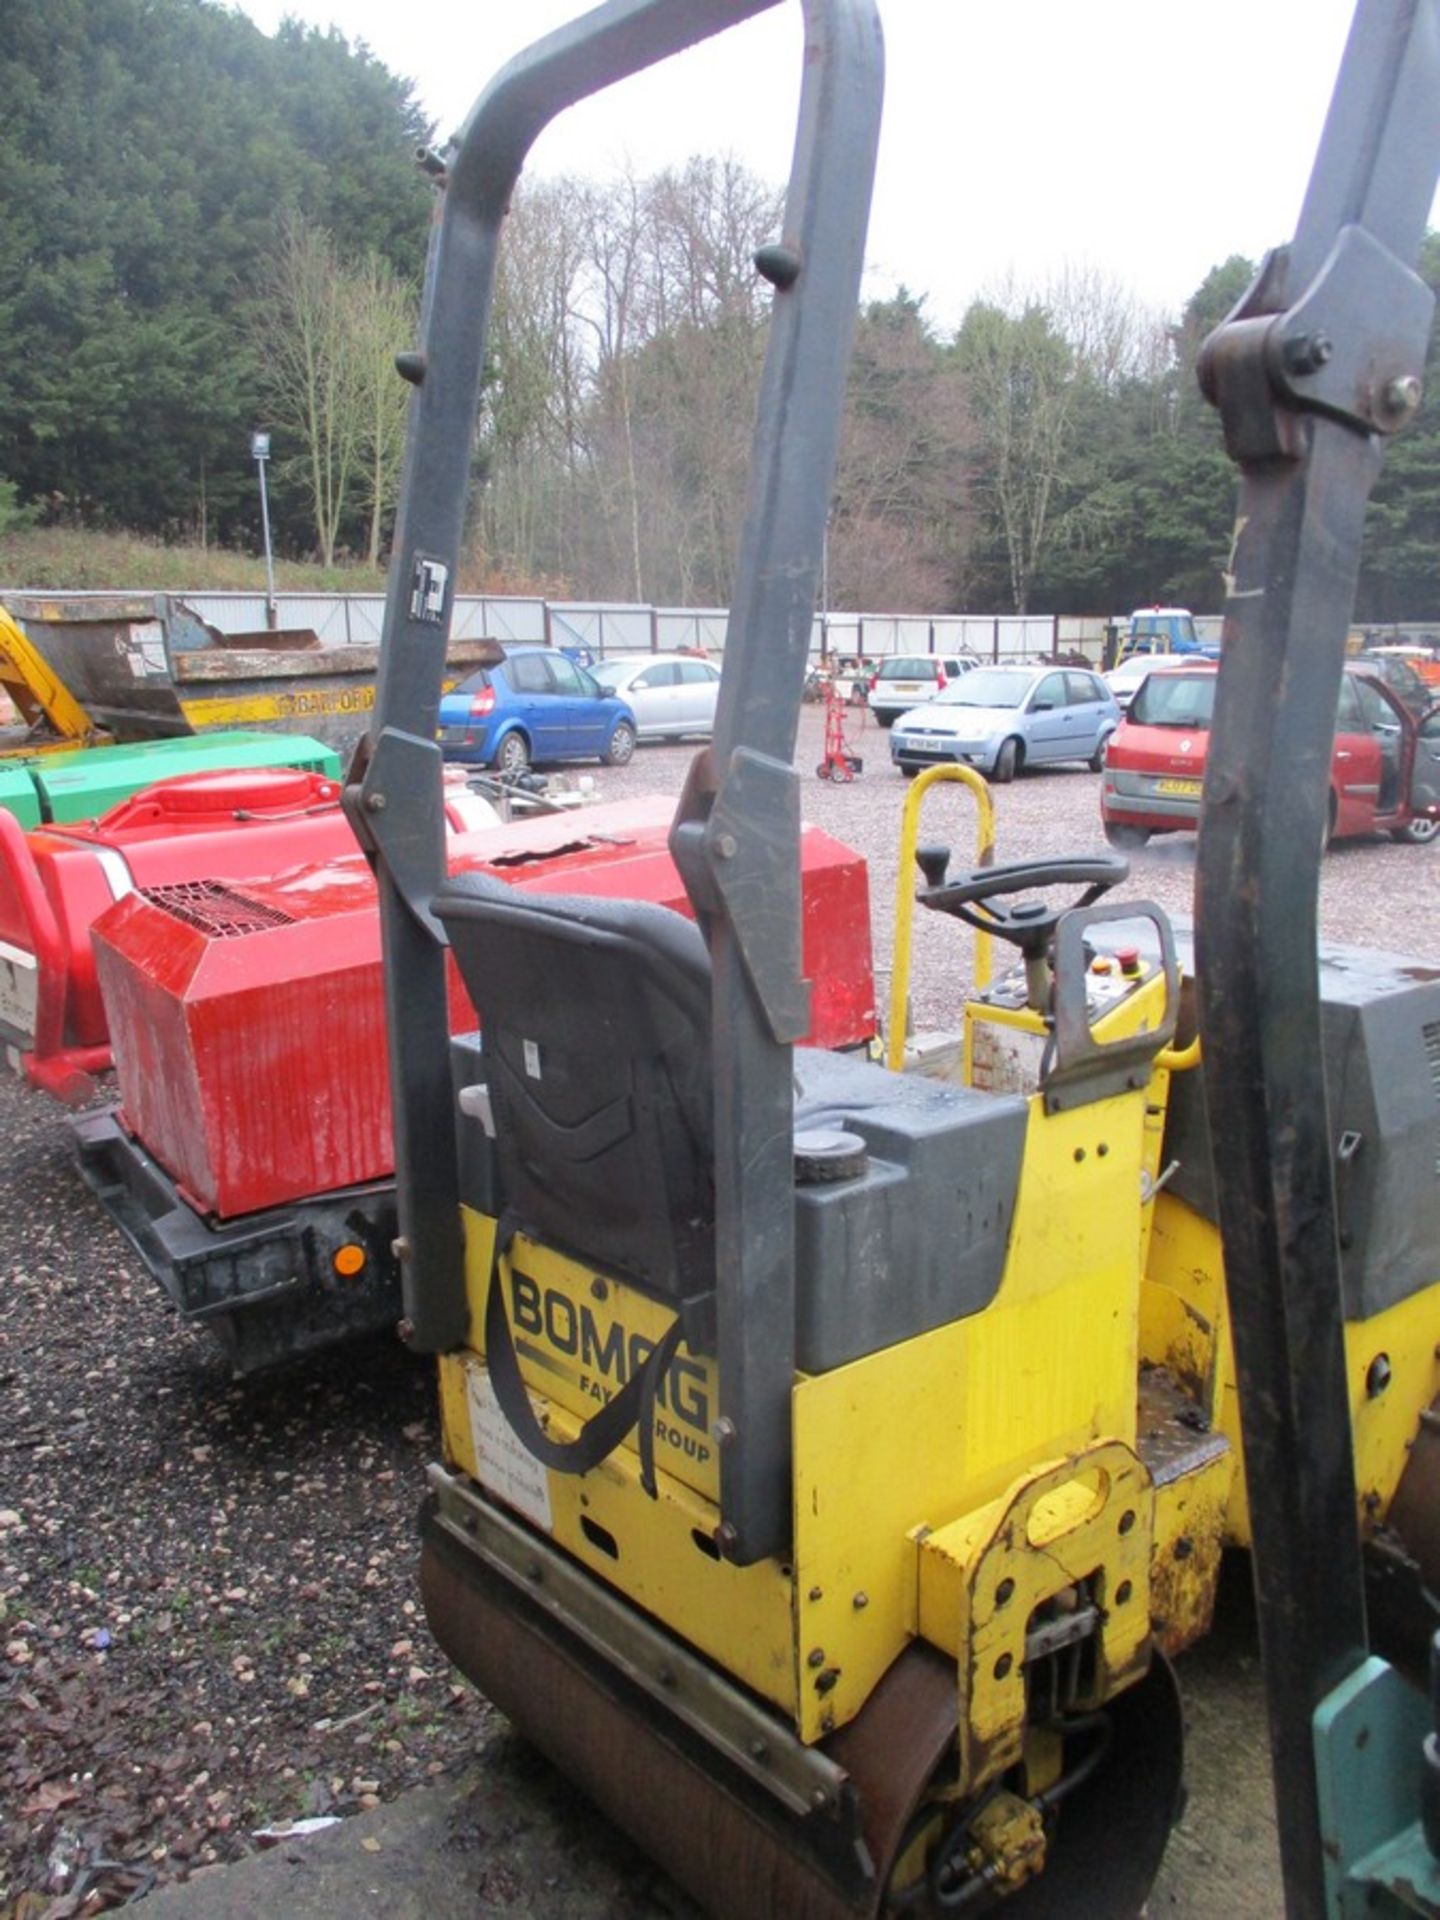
(260, 709)
(256, 709)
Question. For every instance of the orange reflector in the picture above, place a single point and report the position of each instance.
(348, 1261)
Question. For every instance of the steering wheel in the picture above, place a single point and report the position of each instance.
(1028, 924)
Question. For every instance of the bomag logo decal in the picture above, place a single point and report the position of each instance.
(598, 1354)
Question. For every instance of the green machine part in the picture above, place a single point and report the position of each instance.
(1370, 1734)
(18, 794)
(55, 788)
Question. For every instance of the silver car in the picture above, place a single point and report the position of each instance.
(1001, 719)
(670, 694)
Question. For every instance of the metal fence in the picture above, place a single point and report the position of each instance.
(874, 636)
(355, 619)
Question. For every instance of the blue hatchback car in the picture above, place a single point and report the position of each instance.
(1001, 719)
(533, 706)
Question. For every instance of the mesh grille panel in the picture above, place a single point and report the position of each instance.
(216, 910)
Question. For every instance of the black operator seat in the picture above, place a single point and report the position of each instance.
(595, 1037)
(596, 1051)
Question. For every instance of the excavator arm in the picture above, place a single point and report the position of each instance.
(41, 698)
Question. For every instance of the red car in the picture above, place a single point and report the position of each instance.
(1384, 771)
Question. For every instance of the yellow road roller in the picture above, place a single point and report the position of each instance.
(805, 1496)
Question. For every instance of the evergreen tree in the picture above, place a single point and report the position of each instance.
(148, 149)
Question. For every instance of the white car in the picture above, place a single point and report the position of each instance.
(1124, 680)
(904, 680)
(670, 694)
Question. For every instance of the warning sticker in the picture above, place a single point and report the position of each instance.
(144, 651)
(19, 989)
(428, 580)
(506, 1468)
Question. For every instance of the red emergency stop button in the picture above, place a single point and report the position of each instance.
(1128, 959)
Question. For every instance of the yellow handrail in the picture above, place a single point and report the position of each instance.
(905, 895)
(1179, 1059)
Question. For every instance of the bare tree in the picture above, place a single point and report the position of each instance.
(901, 507)
(620, 391)
(380, 314)
(707, 219)
(531, 444)
(666, 307)
(1115, 338)
(309, 370)
(691, 372)
(622, 314)
(1038, 365)
(328, 334)
(1022, 381)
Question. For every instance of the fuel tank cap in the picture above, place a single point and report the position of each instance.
(824, 1154)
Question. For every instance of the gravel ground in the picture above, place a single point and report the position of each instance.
(207, 1604)
(206, 1589)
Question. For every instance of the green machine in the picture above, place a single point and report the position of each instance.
(80, 783)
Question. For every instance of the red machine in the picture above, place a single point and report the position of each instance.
(251, 1157)
(56, 880)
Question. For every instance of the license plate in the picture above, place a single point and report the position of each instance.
(452, 735)
(19, 975)
(911, 745)
(1189, 788)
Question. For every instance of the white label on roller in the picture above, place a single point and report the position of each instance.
(532, 1059)
(19, 990)
(506, 1467)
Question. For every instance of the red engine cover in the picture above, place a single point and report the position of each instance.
(55, 880)
(232, 825)
(248, 1021)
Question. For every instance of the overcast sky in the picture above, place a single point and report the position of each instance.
(1147, 138)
